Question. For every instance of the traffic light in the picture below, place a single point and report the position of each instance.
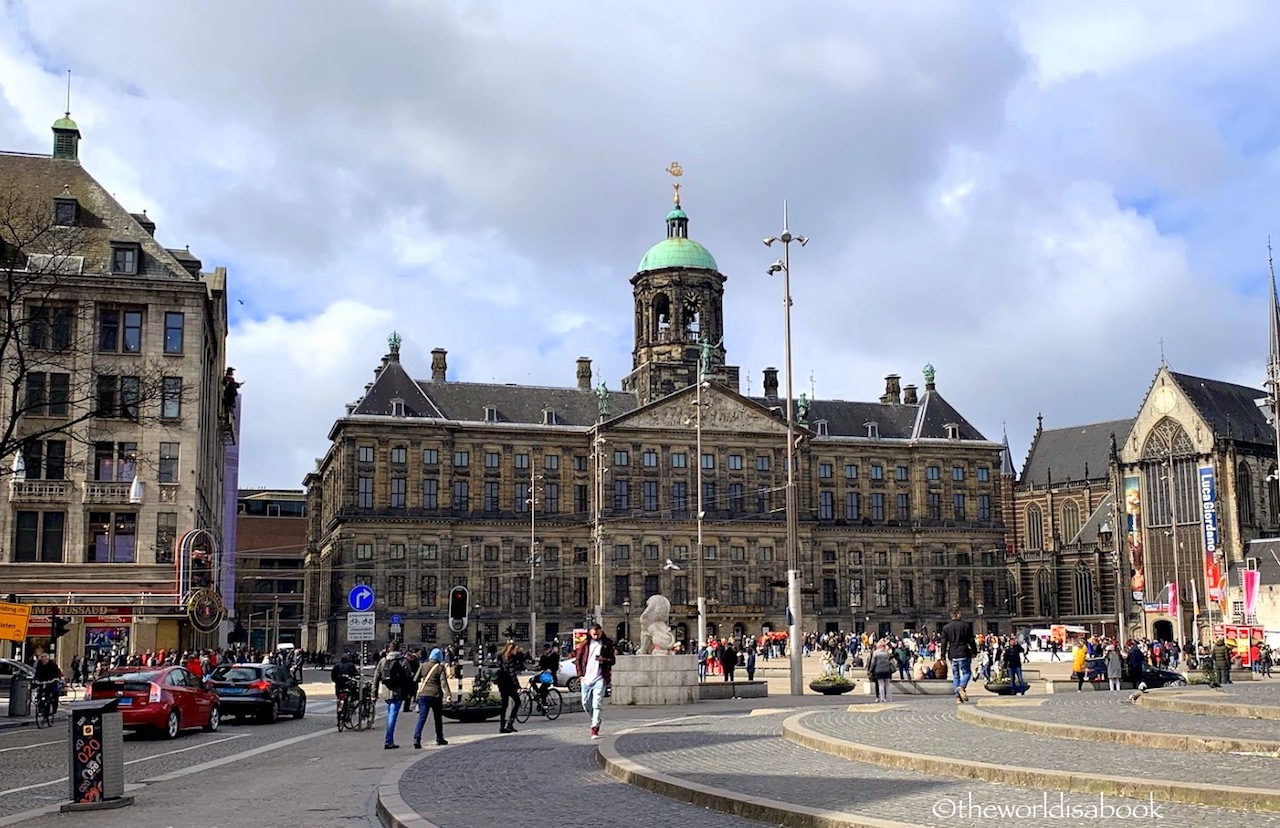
(459, 601)
(59, 627)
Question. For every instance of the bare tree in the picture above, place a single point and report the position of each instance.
(64, 359)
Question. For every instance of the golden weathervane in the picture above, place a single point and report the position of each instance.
(676, 171)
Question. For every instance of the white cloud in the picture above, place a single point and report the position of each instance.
(1030, 202)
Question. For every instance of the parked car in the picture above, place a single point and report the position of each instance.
(263, 690)
(1159, 677)
(567, 676)
(165, 700)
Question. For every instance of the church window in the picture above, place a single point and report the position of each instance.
(1044, 593)
(1084, 591)
(1035, 527)
(1244, 494)
(1070, 521)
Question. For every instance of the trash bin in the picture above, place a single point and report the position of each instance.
(19, 696)
(95, 756)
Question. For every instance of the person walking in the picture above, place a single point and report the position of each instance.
(881, 668)
(510, 663)
(430, 682)
(594, 660)
(959, 647)
(729, 661)
(1221, 654)
(751, 662)
(1114, 667)
(1078, 658)
(393, 682)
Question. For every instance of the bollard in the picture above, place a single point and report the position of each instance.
(19, 696)
(95, 777)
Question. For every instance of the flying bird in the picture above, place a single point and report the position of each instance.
(670, 564)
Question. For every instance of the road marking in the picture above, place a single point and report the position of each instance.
(36, 745)
(235, 757)
(130, 762)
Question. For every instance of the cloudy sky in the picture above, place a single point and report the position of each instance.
(1030, 196)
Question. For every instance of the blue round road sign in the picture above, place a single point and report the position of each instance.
(395, 619)
(361, 598)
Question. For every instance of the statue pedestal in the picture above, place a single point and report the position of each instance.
(655, 680)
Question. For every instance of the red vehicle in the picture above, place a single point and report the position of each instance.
(165, 700)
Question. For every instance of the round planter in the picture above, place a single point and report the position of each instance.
(828, 689)
(467, 714)
(1004, 689)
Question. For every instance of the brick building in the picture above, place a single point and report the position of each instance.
(271, 534)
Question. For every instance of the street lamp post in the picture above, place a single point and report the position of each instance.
(626, 609)
(783, 266)
(1105, 534)
(698, 570)
(533, 562)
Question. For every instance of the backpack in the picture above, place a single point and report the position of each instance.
(398, 677)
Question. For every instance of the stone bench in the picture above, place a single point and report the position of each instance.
(923, 687)
(710, 690)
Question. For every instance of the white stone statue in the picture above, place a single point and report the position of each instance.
(655, 634)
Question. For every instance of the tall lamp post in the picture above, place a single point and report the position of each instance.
(626, 609)
(533, 562)
(702, 507)
(783, 266)
(1105, 535)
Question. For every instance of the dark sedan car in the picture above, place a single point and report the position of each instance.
(165, 700)
(263, 690)
(1096, 670)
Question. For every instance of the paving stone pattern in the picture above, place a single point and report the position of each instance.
(745, 754)
(548, 777)
(1115, 711)
(931, 727)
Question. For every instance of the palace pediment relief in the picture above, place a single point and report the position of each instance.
(720, 412)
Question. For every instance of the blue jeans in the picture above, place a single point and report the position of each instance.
(961, 673)
(1015, 676)
(429, 704)
(593, 700)
(393, 713)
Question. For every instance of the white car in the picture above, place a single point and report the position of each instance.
(567, 676)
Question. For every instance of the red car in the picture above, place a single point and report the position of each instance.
(166, 700)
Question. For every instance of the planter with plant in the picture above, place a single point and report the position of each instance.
(480, 704)
(830, 683)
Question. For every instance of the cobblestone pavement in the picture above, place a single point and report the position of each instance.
(544, 777)
(931, 727)
(1264, 691)
(1115, 711)
(745, 754)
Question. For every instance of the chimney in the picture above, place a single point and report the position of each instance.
(439, 365)
(892, 390)
(771, 383)
(909, 395)
(584, 373)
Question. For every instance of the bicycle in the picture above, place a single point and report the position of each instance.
(531, 700)
(46, 702)
(365, 707)
(347, 692)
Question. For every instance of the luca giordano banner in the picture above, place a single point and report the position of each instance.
(1133, 536)
(1214, 582)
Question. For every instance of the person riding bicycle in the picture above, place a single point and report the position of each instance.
(344, 675)
(47, 670)
(548, 666)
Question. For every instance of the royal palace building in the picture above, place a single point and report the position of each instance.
(114, 428)
(554, 505)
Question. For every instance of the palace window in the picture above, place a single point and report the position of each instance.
(38, 537)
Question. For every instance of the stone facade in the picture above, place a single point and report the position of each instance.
(427, 485)
(139, 346)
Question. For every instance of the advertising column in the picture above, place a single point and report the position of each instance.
(1214, 579)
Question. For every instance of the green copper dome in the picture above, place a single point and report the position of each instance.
(676, 252)
(66, 123)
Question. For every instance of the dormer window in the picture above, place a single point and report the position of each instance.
(124, 258)
(873, 429)
(490, 414)
(549, 417)
(821, 427)
(66, 211)
(397, 408)
(953, 431)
